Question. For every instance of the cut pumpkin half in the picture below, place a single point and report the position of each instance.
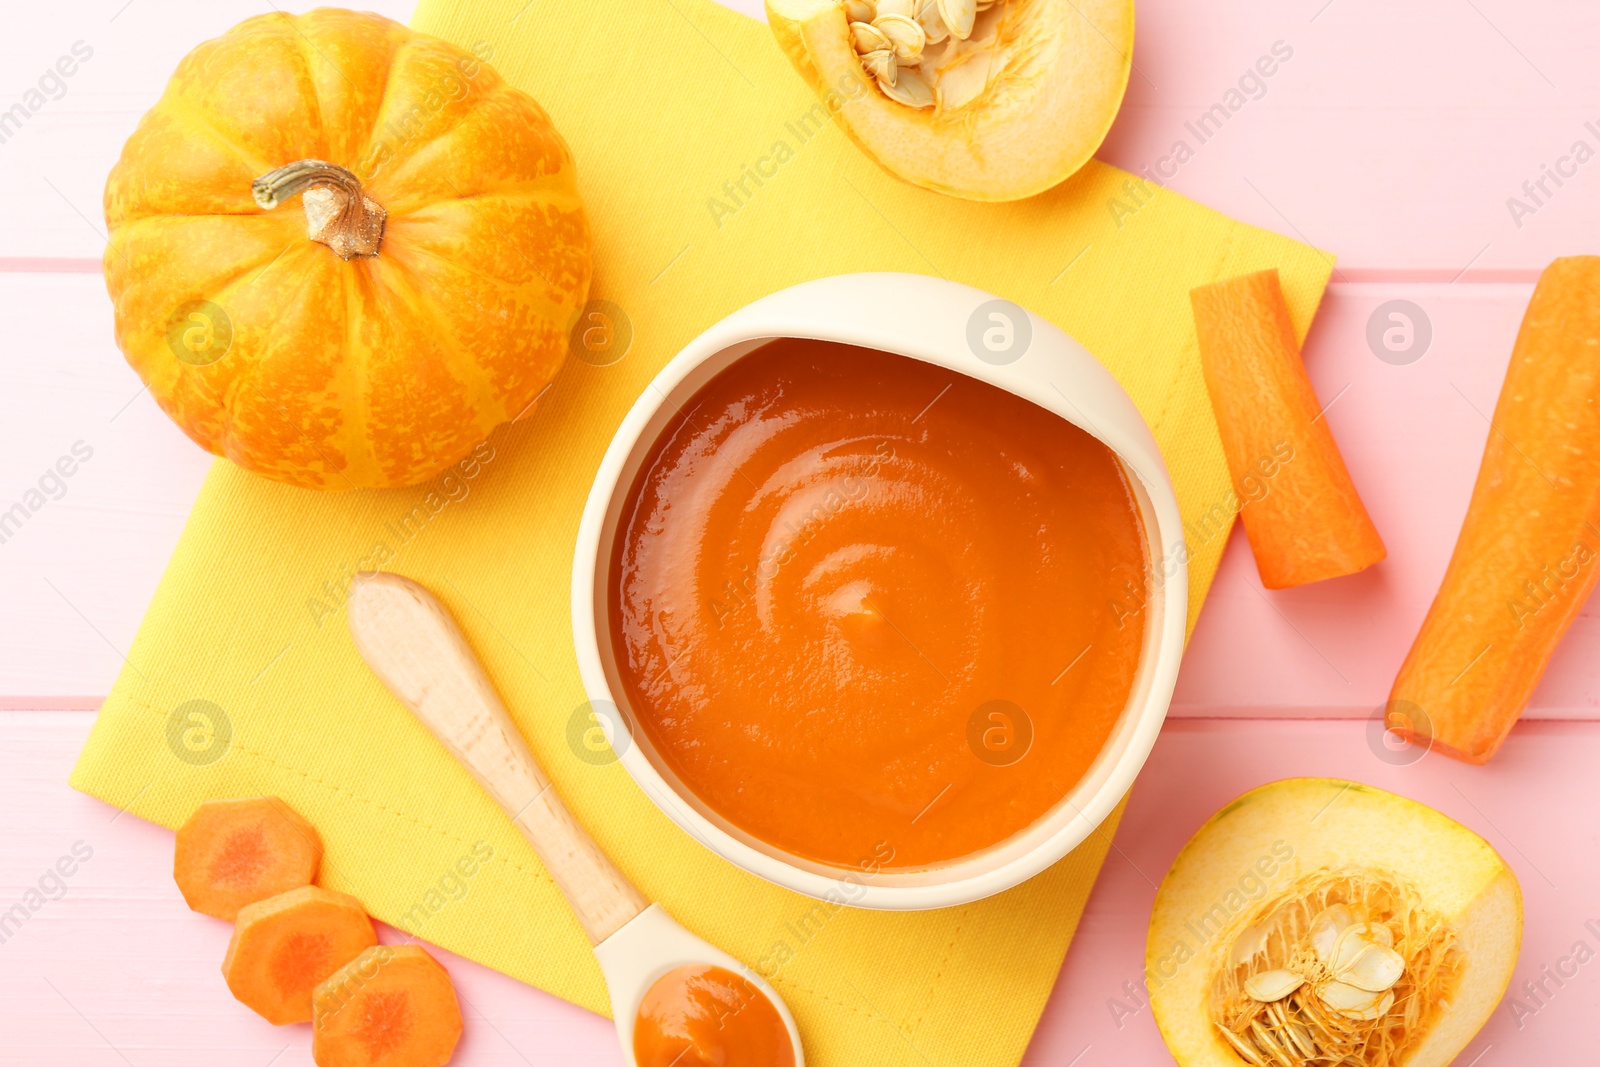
(1317, 920)
(980, 99)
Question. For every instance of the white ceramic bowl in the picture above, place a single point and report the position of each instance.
(945, 324)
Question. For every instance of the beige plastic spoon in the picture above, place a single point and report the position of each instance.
(415, 648)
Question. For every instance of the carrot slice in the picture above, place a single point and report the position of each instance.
(1301, 512)
(391, 1006)
(284, 946)
(1525, 560)
(235, 852)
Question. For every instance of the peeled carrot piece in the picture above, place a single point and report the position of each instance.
(1525, 559)
(1300, 510)
(235, 852)
(283, 947)
(392, 1006)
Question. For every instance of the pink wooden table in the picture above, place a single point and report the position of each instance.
(1395, 135)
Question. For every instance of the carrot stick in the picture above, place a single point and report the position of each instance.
(1301, 512)
(1525, 559)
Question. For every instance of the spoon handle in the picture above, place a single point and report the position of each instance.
(415, 648)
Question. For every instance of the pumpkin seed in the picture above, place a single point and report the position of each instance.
(1374, 1011)
(1346, 947)
(1364, 966)
(1264, 1039)
(1269, 986)
(1250, 1055)
(927, 17)
(958, 16)
(1300, 1037)
(1375, 968)
(868, 38)
(904, 34)
(910, 89)
(881, 65)
(1325, 931)
(1346, 999)
(959, 73)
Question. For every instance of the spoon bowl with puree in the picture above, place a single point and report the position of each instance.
(677, 1000)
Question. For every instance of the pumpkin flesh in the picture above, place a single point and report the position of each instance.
(1056, 83)
(1261, 843)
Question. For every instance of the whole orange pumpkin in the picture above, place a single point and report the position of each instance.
(421, 298)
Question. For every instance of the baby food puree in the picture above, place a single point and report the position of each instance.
(702, 1016)
(874, 612)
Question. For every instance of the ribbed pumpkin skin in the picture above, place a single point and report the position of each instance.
(377, 371)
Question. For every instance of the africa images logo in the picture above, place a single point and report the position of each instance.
(199, 732)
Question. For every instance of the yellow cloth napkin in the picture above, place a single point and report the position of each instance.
(668, 105)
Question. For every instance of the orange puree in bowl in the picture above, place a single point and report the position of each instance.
(703, 1016)
(874, 612)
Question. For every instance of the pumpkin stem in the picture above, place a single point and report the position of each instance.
(337, 212)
